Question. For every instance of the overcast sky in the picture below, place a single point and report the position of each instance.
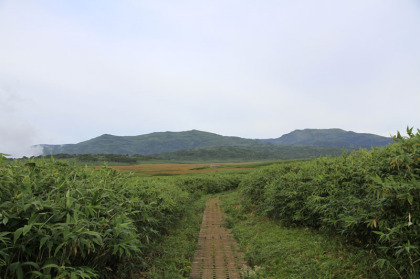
(73, 70)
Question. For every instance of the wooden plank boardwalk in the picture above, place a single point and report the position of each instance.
(218, 255)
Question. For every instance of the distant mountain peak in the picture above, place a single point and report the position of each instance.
(334, 137)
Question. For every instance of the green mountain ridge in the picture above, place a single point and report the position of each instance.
(249, 153)
(331, 137)
(166, 142)
(154, 143)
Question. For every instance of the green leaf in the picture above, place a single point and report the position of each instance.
(410, 199)
(69, 200)
(31, 264)
(381, 263)
(39, 274)
(50, 266)
(50, 246)
(17, 234)
(43, 240)
(26, 229)
(62, 274)
(16, 267)
(58, 248)
(19, 272)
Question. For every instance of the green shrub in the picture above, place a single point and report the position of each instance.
(208, 183)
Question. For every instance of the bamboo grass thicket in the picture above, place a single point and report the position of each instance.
(60, 220)
(372, 198)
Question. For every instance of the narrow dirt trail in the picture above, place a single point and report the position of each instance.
(217, 256)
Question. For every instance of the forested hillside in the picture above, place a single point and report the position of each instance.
(331, 137)
(250, 153)
(148, 144)
(164, 142)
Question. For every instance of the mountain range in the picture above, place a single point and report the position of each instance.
(168, 142)
(331, 138)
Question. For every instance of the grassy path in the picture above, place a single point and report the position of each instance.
(273, 250)
(218, 254)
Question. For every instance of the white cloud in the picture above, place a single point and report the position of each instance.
(252, 69)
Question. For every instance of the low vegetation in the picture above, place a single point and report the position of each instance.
(173, 255)
(276, 251)
(185, 168)
(100, 159)
(372, 199)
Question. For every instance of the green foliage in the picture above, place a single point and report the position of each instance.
(260, 152)
(99, 159)
(173, 255)
(370, 198)
(276, 251)
(210, 183)
(60, 220)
